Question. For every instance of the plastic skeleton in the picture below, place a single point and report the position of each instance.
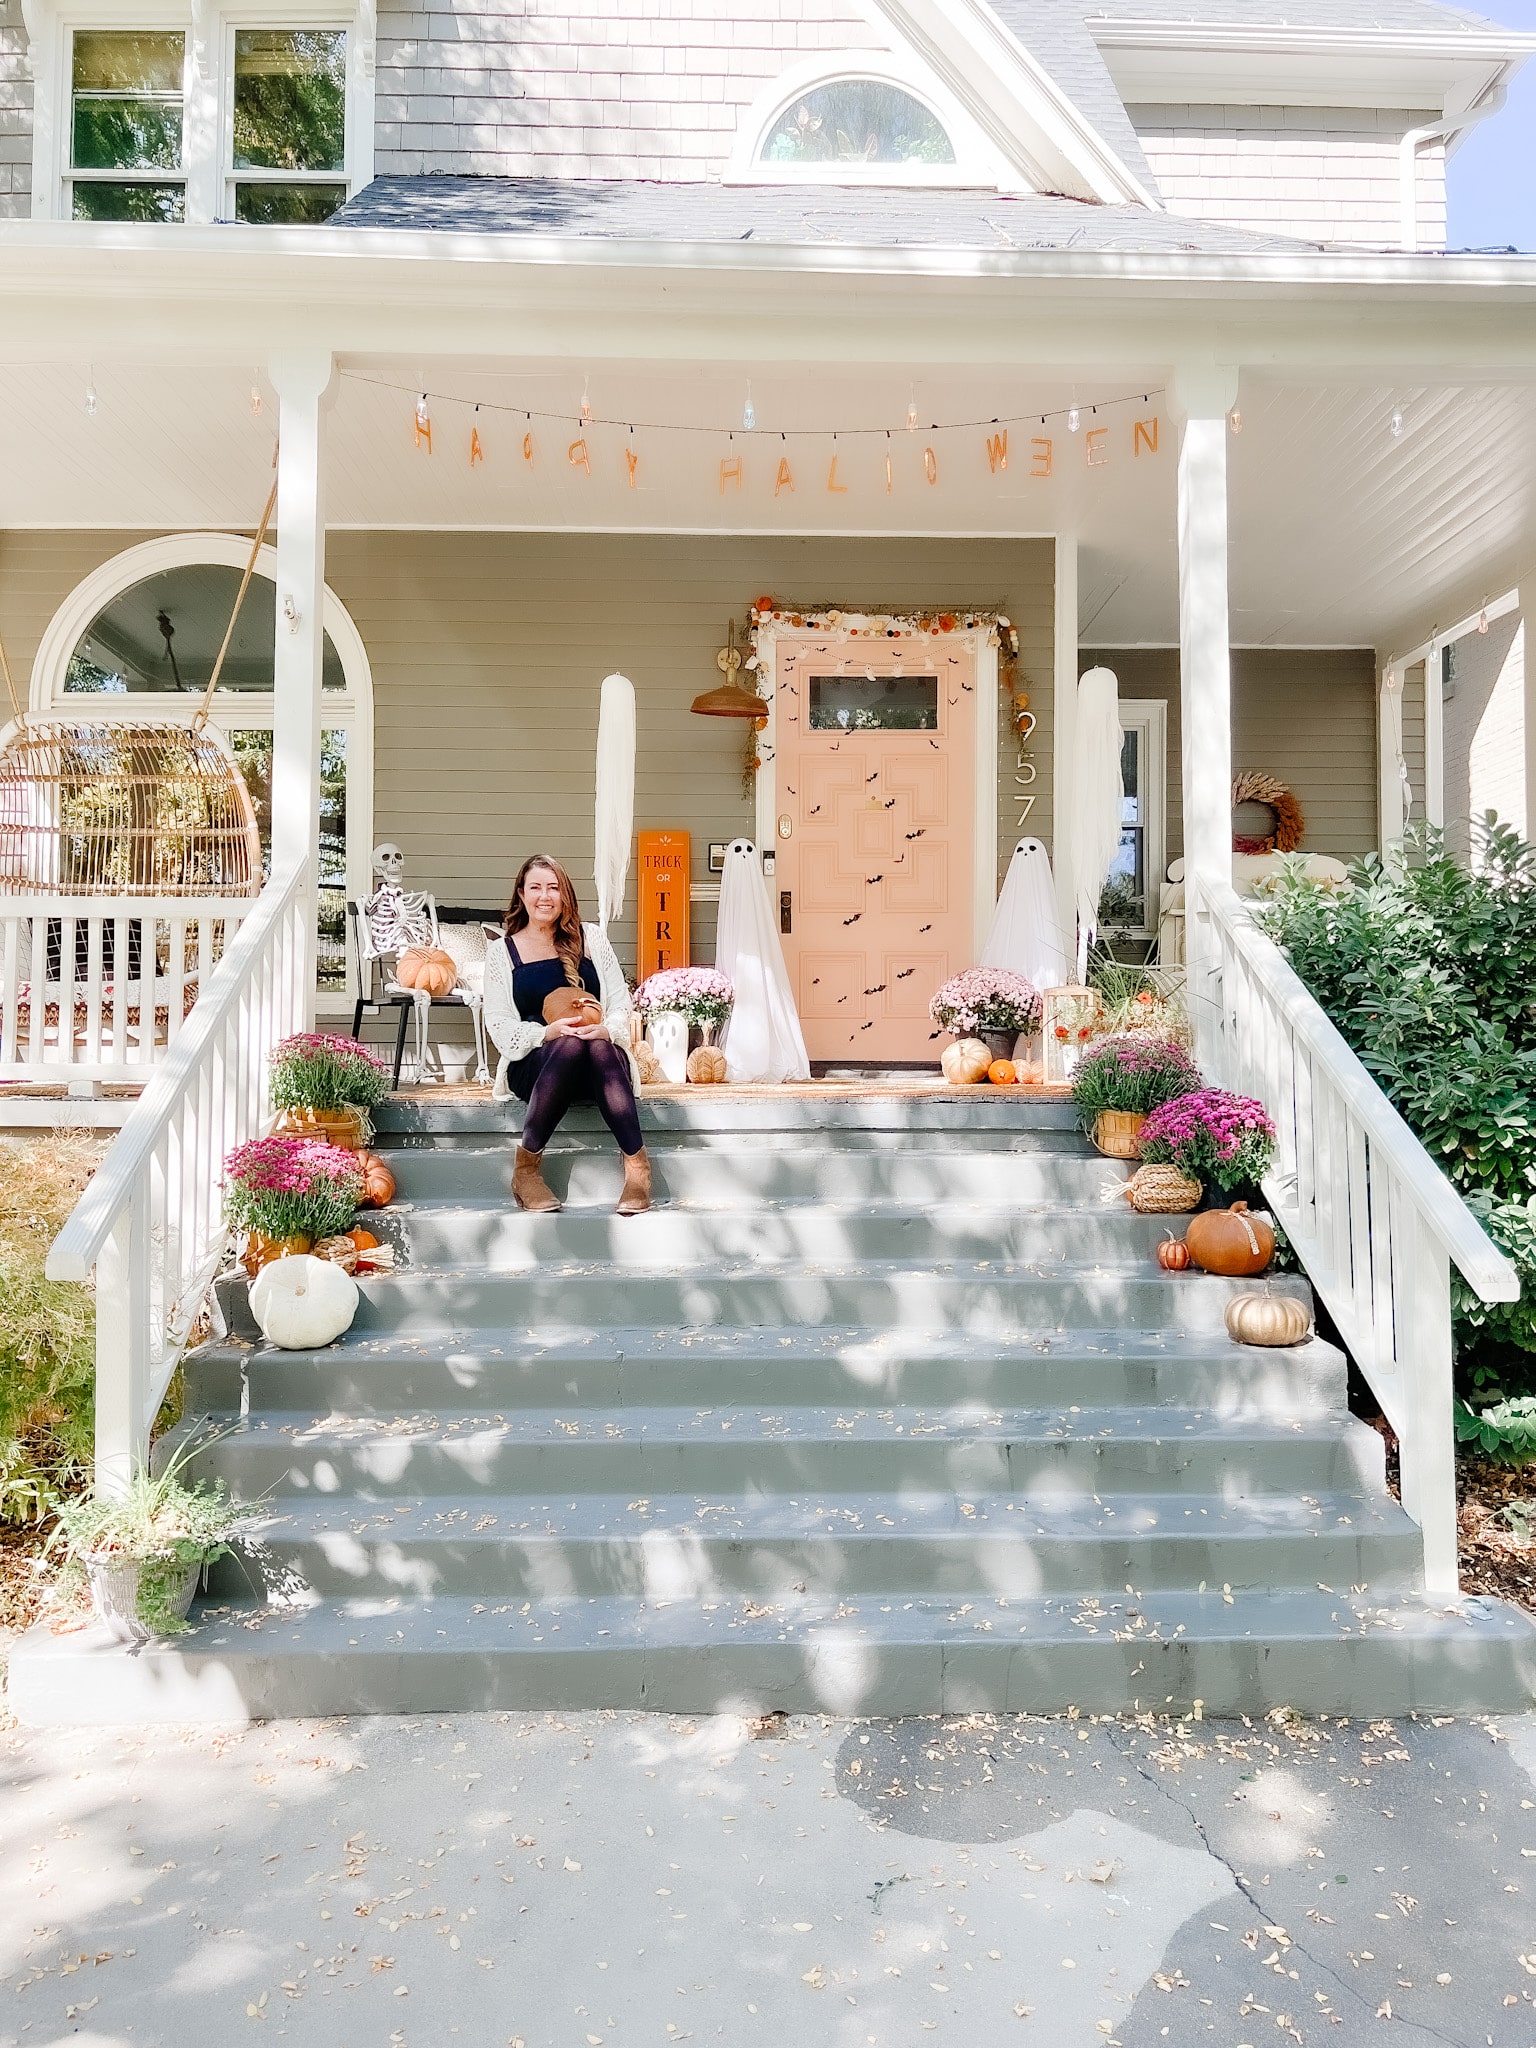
(394, 918)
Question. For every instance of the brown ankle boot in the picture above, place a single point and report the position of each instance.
(636, 1195)
(529, 1189)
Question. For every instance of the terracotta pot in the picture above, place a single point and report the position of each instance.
(261, 1251)
(1230, 1241)
(346, 1127)
(1117, 1133)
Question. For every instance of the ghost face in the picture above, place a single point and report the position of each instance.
(741, 846)
(389, 863)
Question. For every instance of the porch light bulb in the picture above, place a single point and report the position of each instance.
(912, 412)
(1235, 420)
(586, 407)
(1482, 623)
(1395, 424)
(423, 417)
(749, 412)
(90, 401)
(255, 403)
(1074, 420)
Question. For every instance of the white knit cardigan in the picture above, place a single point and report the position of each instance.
(514, 1038)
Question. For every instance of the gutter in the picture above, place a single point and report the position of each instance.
(1413, 142)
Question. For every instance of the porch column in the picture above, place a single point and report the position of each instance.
(1205, 395)
(304, 380)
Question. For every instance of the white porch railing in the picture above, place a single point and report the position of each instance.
(97, 988)
(1373, 1220)
(150, 1225)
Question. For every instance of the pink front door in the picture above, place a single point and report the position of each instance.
(876, 764)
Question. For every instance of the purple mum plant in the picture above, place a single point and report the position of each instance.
(1222, 1139)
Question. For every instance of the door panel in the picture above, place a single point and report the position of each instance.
(875, 764)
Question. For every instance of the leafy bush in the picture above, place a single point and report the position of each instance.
(1506, 1432)
(47, 1327)
(1134, 1072)
(1429, 971)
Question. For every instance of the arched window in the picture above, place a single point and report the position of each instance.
(145, 628)
(854, 121)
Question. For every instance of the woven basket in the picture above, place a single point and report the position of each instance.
(1162, 1191)
(1117, 1133)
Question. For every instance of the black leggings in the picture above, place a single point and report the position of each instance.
(582, 1070)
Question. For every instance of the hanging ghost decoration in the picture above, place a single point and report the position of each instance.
(1025, 934)
(614, 823)
(763, 1041)
(1097, 798)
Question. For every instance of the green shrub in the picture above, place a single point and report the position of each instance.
(1429, 971)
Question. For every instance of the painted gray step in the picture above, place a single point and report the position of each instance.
(906, 1654)
(686, 1546)
(955, 1115)
(622, 1370)
(660, 1450)
(508, 1240)
(745, 1175)
(984, 1298)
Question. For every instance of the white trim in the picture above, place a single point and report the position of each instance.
(1147, 717)
(987, 769)
(977, 162)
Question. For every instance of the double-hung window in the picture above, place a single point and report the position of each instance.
(287, 154)
(126, 127)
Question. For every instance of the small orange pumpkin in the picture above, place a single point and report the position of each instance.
(378, 1182)
(363, 1240)
(1173, 1254)
(1002, 1073)
(429, 968)
(1230, 1241)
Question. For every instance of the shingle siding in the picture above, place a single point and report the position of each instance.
(1324, 174)
(492, 88)
(15, 115)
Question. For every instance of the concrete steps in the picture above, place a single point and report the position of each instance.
(885, 1408)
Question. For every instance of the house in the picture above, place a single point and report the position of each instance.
(939, 348)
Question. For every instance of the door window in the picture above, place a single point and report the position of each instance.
(874, 703)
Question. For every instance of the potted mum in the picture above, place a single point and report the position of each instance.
(323, 1086)
(1119, 1081)
(679, 998)
(989, 1003)
(143, 1551)
(286, 1193)
(1224, 1141)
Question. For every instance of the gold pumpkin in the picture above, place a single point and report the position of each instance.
(965, 1063)
(429, 968)
(1268, 1319)
(706, 1065)
(1230, 1242)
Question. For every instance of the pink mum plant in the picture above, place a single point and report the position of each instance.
(987, 999)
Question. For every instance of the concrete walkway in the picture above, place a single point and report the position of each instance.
(583, 1880)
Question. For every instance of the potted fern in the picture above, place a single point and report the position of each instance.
(143, 1551)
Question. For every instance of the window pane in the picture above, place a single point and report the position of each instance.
(162, 635)
(1130, 758)
(114, 60)
(1124, 898)
(129, 202)
(287, 205)
(252, 748)
(890, 704)
(860, 121)
(126, 135)
(290, 99)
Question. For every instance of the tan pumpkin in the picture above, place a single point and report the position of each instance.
(1268, 1319)
(1173, 1254)
(340, 1250)
(1002, 1073)
(429, 968)
(378, 1182)
(965, 1063)
(1230, 1241)
(706, 1065)
(1030, 1072)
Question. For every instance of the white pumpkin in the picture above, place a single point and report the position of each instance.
(303, 1303)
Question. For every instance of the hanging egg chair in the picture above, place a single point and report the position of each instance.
(127, 806)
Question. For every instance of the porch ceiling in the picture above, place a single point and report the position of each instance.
(1342, 535)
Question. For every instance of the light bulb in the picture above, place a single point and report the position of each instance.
(586, 407)
(423, 417)
(911, 412)
(1482, 623)
(1074, 420)
(1235, 420)
(1395, 424)
(90, 401)
(749, 412)
(255, 403)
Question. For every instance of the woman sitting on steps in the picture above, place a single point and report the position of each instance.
(557, 1008)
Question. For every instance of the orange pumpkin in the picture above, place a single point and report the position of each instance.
(1230, 1241)
(429, 968)
(378, 1182)
(1173, 1254)
(1001, 1073)
(363, 1240)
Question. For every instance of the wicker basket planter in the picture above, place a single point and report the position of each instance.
(1117, 1133)
(347, 1126)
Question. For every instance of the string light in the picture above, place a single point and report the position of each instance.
(586, 405)
(90, 394)
(255, 403)
(423, 417)
(1482, 622)
(1395, 424)
(912, 409)
(749, 412)
(1235, 419)
(1074, 420)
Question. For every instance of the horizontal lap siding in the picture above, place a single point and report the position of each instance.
(1307, 716)
(488, 650)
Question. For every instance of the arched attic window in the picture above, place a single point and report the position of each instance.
(855, 121)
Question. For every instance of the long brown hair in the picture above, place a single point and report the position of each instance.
(569, 943)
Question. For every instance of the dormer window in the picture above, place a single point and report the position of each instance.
(856, 121)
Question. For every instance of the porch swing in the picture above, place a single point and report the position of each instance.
(120, 807)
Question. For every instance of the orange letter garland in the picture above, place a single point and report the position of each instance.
(663, 920)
